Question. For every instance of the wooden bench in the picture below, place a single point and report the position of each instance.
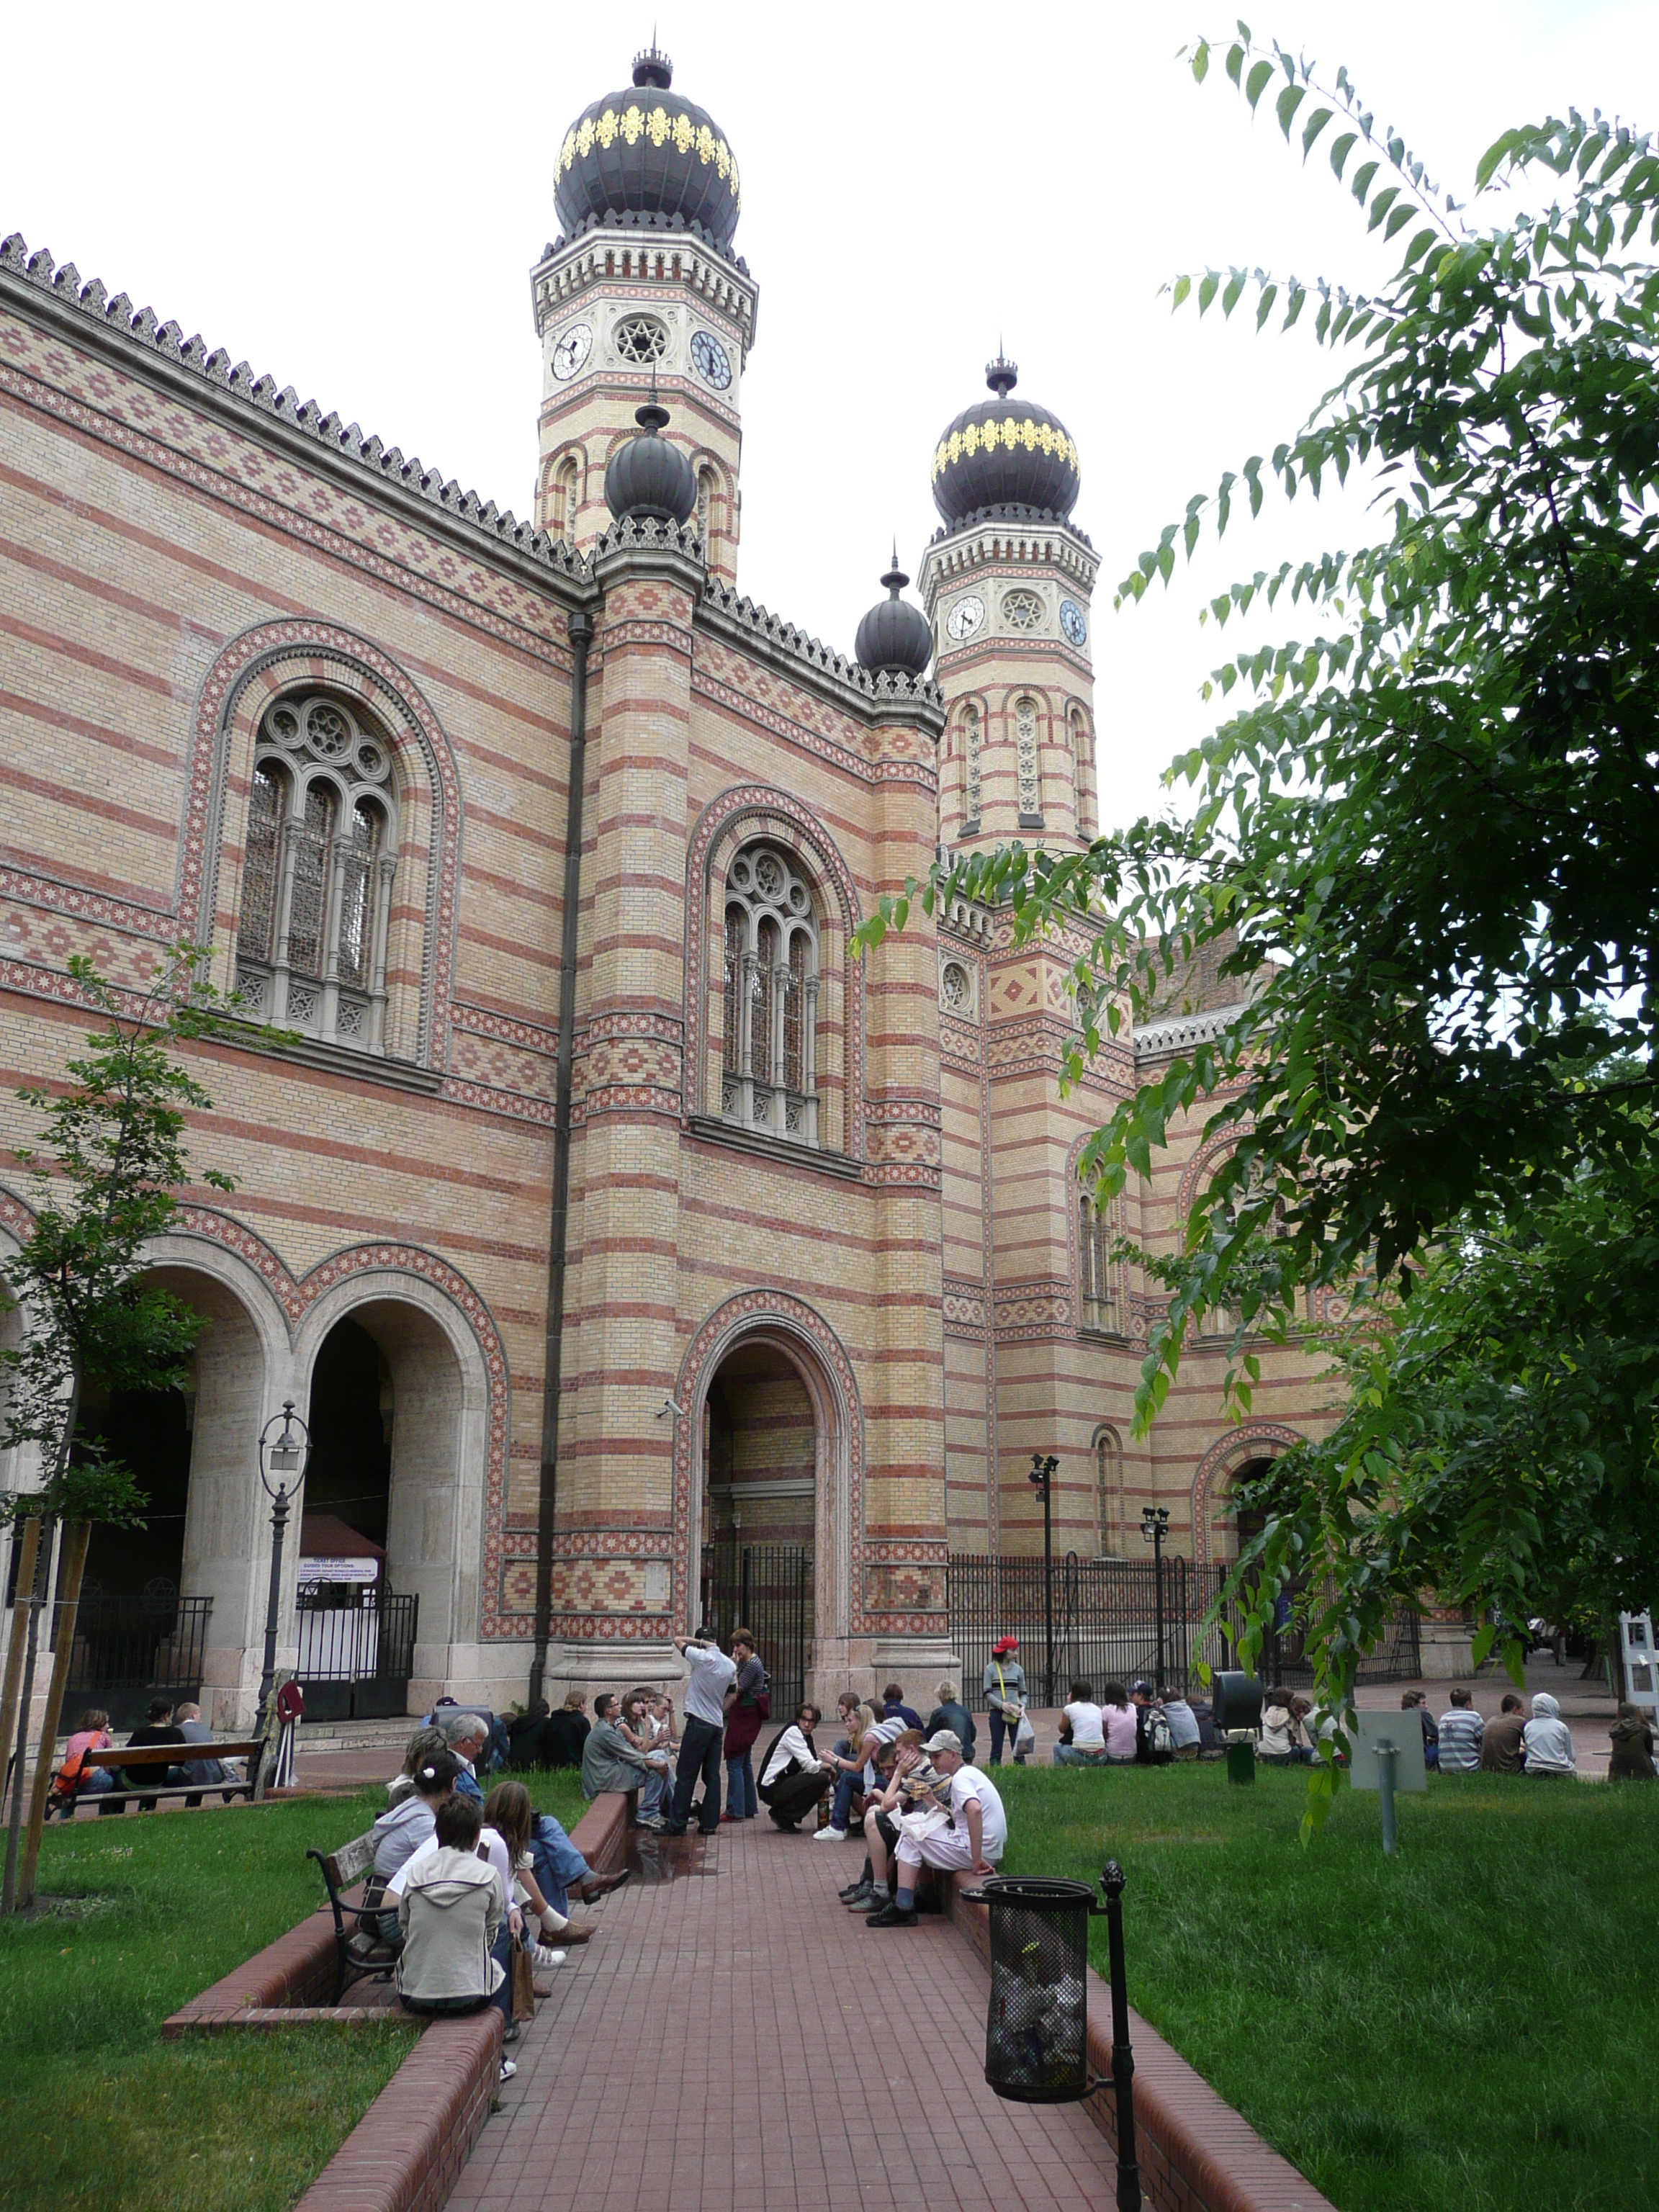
(175, 1754)
(359, 1953)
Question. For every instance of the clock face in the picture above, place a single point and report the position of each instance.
(571, 351)
(965, 617)
(1071, 622)
(711, 361)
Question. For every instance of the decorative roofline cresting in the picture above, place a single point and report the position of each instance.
(382, 464)
(746, 617)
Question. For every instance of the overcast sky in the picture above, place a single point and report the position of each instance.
(350, 196)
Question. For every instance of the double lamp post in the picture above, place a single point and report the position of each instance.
(284, 1456)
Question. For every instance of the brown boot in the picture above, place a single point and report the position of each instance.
(600, 1885)
(571, 1934)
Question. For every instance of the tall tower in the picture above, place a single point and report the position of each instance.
(1008, 585)
(643, 290)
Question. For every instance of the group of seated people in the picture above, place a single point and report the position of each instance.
(1462, 1741)
(165, 1723)
(1137, 1726)
(460, 1881)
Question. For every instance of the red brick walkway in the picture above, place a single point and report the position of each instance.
(711, 2008)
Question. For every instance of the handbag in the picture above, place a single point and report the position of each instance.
(524, 1983)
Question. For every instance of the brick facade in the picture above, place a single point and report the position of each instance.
(183, 547)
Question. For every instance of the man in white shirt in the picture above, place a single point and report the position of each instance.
(974, 1842)
(711, 1690)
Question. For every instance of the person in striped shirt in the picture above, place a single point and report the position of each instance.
(1461, 1733)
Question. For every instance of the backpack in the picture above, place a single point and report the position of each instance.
(1160, 1743)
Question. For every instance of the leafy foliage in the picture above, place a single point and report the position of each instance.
(106, 1181)
(1423, 842)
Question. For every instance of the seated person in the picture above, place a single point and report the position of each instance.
(560, 1871)
(527, 1736)
(187, 1719)
(1120, 1724)
(972, 1838)
(1630, 1747)
(639, 1731)
(1154, 1745)
(157, 1729)
(1547, 1739)
(856, 1772)
(1461, 1733)
(1082, 1730)
(399, 1833)
(451, 1908)
(508, 1811)
(1417, 1701)
(566, 1732)
(1284, 1739)
(1501, 1751)
(794, 1778)
(950, 1713)
(893, 1707)
(467, 1735)
(916, 1798)
(1184, 1734)
(425, 1742)
(611, 1758)
(75, 1778)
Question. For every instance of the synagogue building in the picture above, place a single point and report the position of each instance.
(613, 1227)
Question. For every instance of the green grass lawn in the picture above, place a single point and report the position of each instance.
(1472, 2026)
(89, 2096)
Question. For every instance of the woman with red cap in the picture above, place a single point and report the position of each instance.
(1004, 1698)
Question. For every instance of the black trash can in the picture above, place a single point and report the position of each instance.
(1037, 2034)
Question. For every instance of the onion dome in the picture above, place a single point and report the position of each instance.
(647, 155)
(894, 635)
(1004, 454)
(647, 477)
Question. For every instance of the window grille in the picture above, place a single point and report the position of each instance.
(769, 1057)
(1097, 1273)
(1025, 756)
(970, 736)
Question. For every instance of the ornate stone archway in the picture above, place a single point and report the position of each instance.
(1250, 1440)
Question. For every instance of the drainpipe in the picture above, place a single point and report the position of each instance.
(582, 632)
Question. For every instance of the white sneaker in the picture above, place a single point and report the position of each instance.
(545, 1958)
(508, 2069)
(830, 1836)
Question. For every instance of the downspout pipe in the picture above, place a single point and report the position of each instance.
(581, 633)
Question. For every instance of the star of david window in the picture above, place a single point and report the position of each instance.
(639, 339)
(1021, 610)
(322, 843)
(769, 1059)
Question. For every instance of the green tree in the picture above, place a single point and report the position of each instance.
(106, 1181)
(1423, 838)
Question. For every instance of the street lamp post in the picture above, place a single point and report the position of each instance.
(283, 1456)
(1154, 1529)
(1042, 1474)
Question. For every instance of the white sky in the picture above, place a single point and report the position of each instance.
(350, 196)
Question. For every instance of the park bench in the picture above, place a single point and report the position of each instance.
(359, 1953)
(177, 1754)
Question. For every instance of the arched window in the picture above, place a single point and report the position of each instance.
(706, 512)
(311, 946)
(970, 775)
(1083, 763)
(1099, 1283)
(769, 1065)
(1026, 773)
(1108, 1485)
(565, 498)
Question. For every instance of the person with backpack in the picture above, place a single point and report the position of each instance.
(1154, 1739)
(752, 1705)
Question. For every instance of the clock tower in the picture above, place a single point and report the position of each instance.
(1007, 584)
(641, 294)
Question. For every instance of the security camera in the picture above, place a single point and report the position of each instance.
(668, 1406)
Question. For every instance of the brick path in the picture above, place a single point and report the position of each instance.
(709, 2007)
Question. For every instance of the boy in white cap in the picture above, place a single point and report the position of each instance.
(973, 1843)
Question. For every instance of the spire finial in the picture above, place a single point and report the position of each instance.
(652, 67)
(653, 415)
(1001, 374)
(896, 580)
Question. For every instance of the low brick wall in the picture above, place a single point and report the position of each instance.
(1194, 2152)
(296, 1970)
(406, 2153)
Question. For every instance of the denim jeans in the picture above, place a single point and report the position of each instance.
(846, 1786)
(558, 1864)
(651, 1791)
(501, 1951)
(999, 1728)
(1068, 1754)
(699, 1754)
(740, 1798)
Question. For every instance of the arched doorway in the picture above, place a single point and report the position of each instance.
(759, 1510)
(382, 1560)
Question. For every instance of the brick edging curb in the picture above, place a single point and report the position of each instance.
(406, 2153)
(1194, 2152)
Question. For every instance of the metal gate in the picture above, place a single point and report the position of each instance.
(356, 1651)
(129, 1650)
(1112, 1618)
(767, 1588)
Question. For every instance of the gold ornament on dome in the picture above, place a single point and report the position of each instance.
(1010, 431)
(633, 124)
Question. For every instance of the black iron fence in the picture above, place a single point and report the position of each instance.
(130, 1650)
(767, 1588)
(356, 1650)
(1115, 1620)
